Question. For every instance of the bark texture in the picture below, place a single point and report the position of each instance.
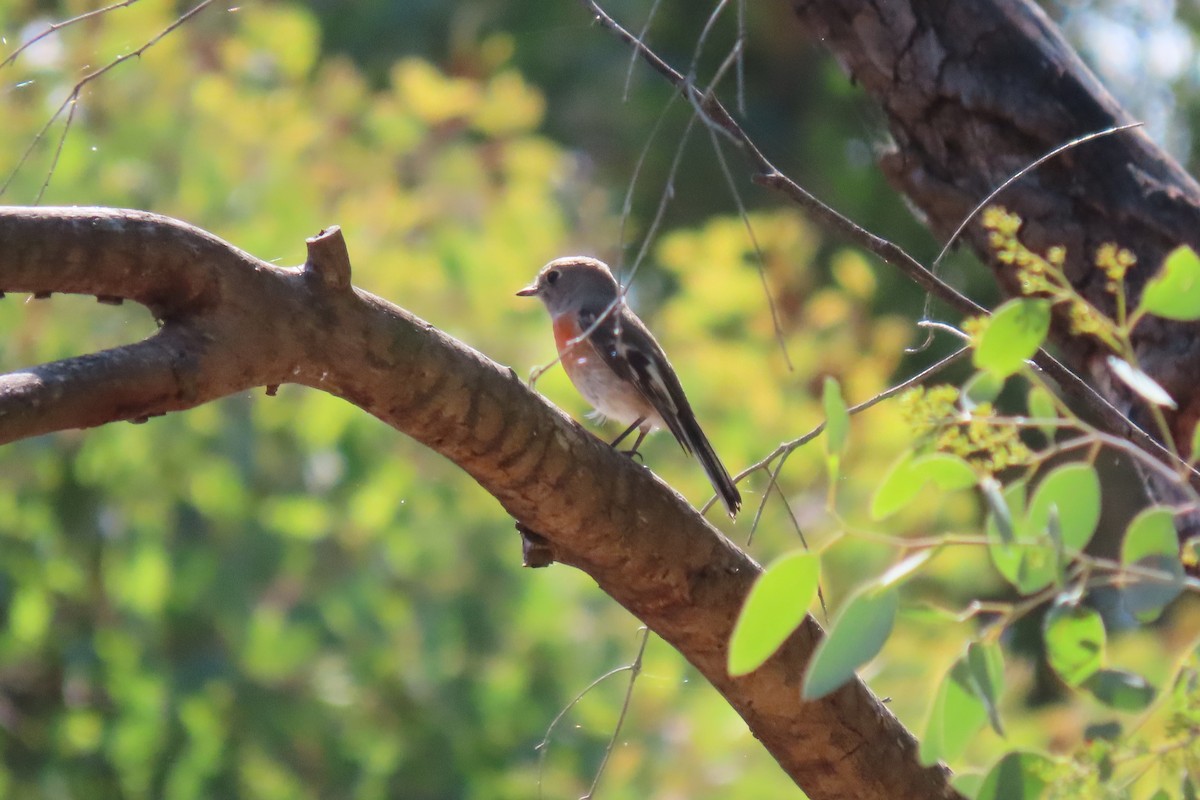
(231, 322)
(974, 90)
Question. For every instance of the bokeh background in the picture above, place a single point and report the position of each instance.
(280, 597)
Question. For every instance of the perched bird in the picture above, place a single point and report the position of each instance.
(617, 365)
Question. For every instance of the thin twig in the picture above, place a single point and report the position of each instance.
(1022, 172)
(635, 669)
(544, 744)
(58, 26)
(789, 446)
(627, 205)
(73, 97)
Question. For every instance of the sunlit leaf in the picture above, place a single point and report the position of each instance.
(957, 714)
(966, 701)
(1012, 336)
(909, 475)
(1075, 639)
(1041, 406)
(1174, 293)
(857, 635)
(900, 572)
(982, 387)
(837, 418)
(1073, 492)
(1145, 386)
(775, 606)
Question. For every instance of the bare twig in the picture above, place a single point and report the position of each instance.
(73, 96)
(58, 26)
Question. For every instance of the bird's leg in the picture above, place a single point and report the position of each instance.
(641, 435)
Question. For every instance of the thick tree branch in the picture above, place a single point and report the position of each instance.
(231, 322)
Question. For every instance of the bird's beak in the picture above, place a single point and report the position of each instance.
(529, 291)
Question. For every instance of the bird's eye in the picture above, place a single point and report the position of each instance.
(552, 277)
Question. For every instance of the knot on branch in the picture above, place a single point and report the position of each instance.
(328, 258)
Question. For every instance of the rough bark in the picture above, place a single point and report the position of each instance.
(231, 322)
(974, 90)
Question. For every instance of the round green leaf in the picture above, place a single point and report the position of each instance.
(775, 606)
(1073, 491)
(1074, 642)
(983, 387)
(856, 636)
(909, 475)
(1151, 542)
(1174, 293)
(1013, 334)
(1040, 405)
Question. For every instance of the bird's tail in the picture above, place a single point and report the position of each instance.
(698, 443)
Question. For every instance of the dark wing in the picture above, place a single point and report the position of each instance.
(631, 351)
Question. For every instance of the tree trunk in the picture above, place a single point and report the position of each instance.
(975, 90)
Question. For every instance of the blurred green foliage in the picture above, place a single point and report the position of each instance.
(281, 597)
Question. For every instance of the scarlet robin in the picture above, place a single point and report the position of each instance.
(617, 365)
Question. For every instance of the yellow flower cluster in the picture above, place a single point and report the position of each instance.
(1044, 276)
(975, 435)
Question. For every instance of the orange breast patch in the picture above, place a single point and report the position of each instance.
(566, 328)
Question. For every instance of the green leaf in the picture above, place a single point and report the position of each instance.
(837, 418)
(1024, 557)
(1067, 499)
(856, 636)
(775, 606)
(1124, 691)
(1041, 406)
(1145, 386)
(909, 475)
(1151, 542)
(1194, 453)
(1073, 491)
(1017, 776)
(1174, 293)
(986, 662)
(1075, 641)
(957, 715)
(1000, 515)
(965, 702)
(1110, 731)
(983, 387)
(1013, 334)
(898, 573)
